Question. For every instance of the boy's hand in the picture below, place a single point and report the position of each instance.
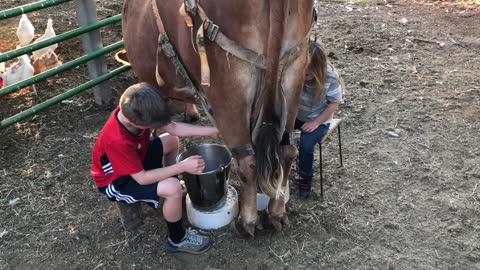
(194, 164)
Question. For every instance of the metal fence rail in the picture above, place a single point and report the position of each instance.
(91, 43)
(54, 71)
(61, 37)
(42, 106)
(29, 8)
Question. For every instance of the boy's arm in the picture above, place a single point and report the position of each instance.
(152, 176)
(187, 130)
(193, 165)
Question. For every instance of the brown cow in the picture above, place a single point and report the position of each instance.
(255, 84)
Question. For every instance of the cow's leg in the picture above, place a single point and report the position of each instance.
(248, 217)
(276, 207)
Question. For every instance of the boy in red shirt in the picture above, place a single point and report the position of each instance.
(128, 165)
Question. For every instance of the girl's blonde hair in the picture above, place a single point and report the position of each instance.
(318, 66)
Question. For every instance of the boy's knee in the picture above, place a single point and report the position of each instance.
(175, 147)
(170, 143)
(170, 188)
(176, 140)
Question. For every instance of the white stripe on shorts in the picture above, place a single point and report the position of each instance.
(113, 193)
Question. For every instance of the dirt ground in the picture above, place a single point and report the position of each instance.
(408, 196)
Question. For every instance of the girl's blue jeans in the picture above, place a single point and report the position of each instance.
(307, 148)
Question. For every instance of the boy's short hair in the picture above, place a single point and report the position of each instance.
(143, 106)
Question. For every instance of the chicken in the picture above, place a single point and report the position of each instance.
(47, 61)
(49, 33)
(2, 66)
(18, 71)
(2, 70)
(25, 31)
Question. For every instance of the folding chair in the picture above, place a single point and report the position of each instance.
(334, 124)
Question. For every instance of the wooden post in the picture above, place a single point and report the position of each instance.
(92, 41)
(130, 215)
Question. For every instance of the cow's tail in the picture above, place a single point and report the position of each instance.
(269, 169)
(270, 125)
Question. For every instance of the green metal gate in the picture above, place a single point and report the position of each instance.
(86, 16)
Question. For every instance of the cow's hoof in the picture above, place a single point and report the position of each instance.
(265, 221)
(279, 222)
(243, 230)
(259, 225)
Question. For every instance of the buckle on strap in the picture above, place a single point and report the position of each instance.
(191, 6)
(211, 29)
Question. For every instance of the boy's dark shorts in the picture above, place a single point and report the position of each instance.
(126, 189)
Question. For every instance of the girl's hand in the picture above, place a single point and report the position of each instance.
(309, 126)
(194, 164)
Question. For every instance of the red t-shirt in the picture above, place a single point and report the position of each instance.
(117, 152)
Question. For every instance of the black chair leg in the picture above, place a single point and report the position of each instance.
(321, 169)
(340, 146)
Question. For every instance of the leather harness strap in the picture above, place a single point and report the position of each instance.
(165, 46)
(158, 19)
(161, 29)
(202, 52)
(213, 33)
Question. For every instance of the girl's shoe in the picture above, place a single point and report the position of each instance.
(304, 187)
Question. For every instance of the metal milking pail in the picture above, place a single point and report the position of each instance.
(208, 189)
